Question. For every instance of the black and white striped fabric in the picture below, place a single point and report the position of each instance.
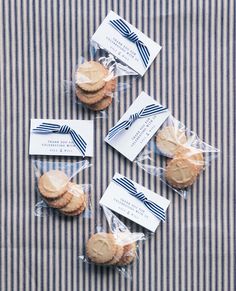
(47, 128)
(124, 29)
(128, 185)
(149, 110)
(194, 76)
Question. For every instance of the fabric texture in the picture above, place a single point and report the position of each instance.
(194, 76)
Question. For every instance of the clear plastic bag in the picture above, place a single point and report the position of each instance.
(120, 248)
(57, 190)
(115, 66)
(96, 81)
(187, 156)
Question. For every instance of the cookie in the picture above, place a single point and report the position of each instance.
(77, 200)
(192, 154)
(112, 85)
(101, 247)
(181, 173)
(76, 212)
(129, 254)
(75, 189)
(118, 255)
(60, 202)
(168, 139)
(102, 104)
(90, 98)
(91, 76)
(53, 184)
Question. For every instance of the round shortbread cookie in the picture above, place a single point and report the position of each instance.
(168, 139)
(129, 254)
(112, 85)
(192, 154)
(76, 212)
(75, 189)
(181, 173)
(60, 202)
(53, 184)
(102, 104)
(118, 255)
(101, 247)
(77, 200)
(90, 98)
(94, 97)
(91, 76)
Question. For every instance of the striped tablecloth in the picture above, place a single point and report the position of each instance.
(194, 75)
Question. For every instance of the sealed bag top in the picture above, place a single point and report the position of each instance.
(126, 42)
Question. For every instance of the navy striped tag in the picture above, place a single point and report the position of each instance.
(47, 128)
(147, 111)
(124, 29)
(128, 185)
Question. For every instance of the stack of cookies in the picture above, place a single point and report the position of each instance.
(187, 162)
(58, 192)
(94, 85)
(103, 248)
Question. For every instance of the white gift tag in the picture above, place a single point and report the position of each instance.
(130, 142)
(138, 54)
(119, 200)
(60, 144)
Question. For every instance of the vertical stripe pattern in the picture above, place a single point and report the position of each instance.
(194, 76)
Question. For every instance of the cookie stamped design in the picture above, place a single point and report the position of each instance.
(103, 248)
(94, 85)
(58, 192)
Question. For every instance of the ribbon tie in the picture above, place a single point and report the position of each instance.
(128, 185)
(124, 29)
(63, 129)
(147, 111)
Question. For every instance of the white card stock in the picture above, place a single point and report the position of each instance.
(130, 142)
(59, 144)
(128, 51)
(119, 200)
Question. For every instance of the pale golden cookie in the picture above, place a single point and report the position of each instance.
(101, 105)
(181, 173)
(192, 154)
(112, 85)
(91, 76)
(60, 202)
(75, 189)
(118, 255)
(129, 254)
(90, 98)
(101, 247)
(168, 139)
(77, 200)
(76, 212)
(53, 184)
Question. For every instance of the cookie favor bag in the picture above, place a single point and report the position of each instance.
(117, 49)
(187, 156)
(113, 246)
(117, 246)
(58, 189)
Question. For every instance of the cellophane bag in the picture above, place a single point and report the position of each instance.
(98, 79)
(119, 53)
(59, 190)
(113, 245)
(187, 156)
